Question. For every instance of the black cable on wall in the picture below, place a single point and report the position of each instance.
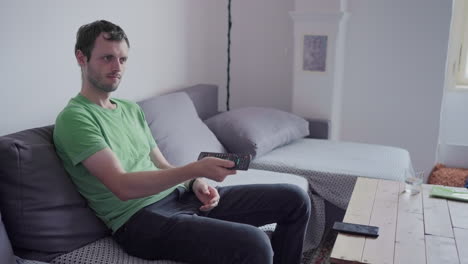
(228, 56)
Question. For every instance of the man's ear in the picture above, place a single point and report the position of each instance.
(81, 58)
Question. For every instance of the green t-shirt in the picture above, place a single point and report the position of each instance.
(84, 128)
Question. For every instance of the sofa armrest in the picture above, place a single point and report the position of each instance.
(319, 128)
(6, 252)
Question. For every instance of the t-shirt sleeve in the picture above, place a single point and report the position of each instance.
(149, 136)
(77, 135)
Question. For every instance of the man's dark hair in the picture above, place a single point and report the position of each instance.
(87, 34)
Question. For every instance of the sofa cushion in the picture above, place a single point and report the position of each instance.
(43, 213)
(257, 130)
(178, 130)
(104, 251)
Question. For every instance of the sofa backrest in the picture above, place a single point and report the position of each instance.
(177, 128)
(43, 213)
(205, 99)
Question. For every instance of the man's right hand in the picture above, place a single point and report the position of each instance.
(214, 168)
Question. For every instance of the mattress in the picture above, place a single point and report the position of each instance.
(331, 169)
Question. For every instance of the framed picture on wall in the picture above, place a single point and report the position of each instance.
(314, 56)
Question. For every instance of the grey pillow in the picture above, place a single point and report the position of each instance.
(179, 132)
(42, 211)
(257, 130)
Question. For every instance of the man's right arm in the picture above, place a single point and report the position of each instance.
(131, 185)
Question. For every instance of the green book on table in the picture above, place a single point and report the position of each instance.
(442, 192)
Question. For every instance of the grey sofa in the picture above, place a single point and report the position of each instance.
(6, 252)
(46, 219)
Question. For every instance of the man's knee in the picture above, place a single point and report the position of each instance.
(256, 246)
(298, 197)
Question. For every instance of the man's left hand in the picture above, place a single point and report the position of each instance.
(207, 194)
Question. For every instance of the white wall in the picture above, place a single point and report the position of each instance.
(453, 139)
(173, 44)
(453, 148)
(317, 95)
(394, 74)
(316, 6)
(261, 54)
(456, 125)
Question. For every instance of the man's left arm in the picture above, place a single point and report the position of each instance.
(161, 162)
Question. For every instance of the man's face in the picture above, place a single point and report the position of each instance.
(106, 66)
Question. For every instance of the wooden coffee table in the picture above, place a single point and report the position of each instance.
(413, 228)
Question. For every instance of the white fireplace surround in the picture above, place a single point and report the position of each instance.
(318, 94)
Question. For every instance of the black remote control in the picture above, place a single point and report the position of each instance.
(355, 229)
(242, 161)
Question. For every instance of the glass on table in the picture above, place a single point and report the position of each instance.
(413, 181)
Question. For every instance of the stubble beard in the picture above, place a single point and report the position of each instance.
(97, 81)
(108, 88)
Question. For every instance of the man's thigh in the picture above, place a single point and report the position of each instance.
(174, 228)
(257, 204)
(195, 239)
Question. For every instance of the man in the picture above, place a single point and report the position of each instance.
(157, 211)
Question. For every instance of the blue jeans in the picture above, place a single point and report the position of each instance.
(175, 229)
